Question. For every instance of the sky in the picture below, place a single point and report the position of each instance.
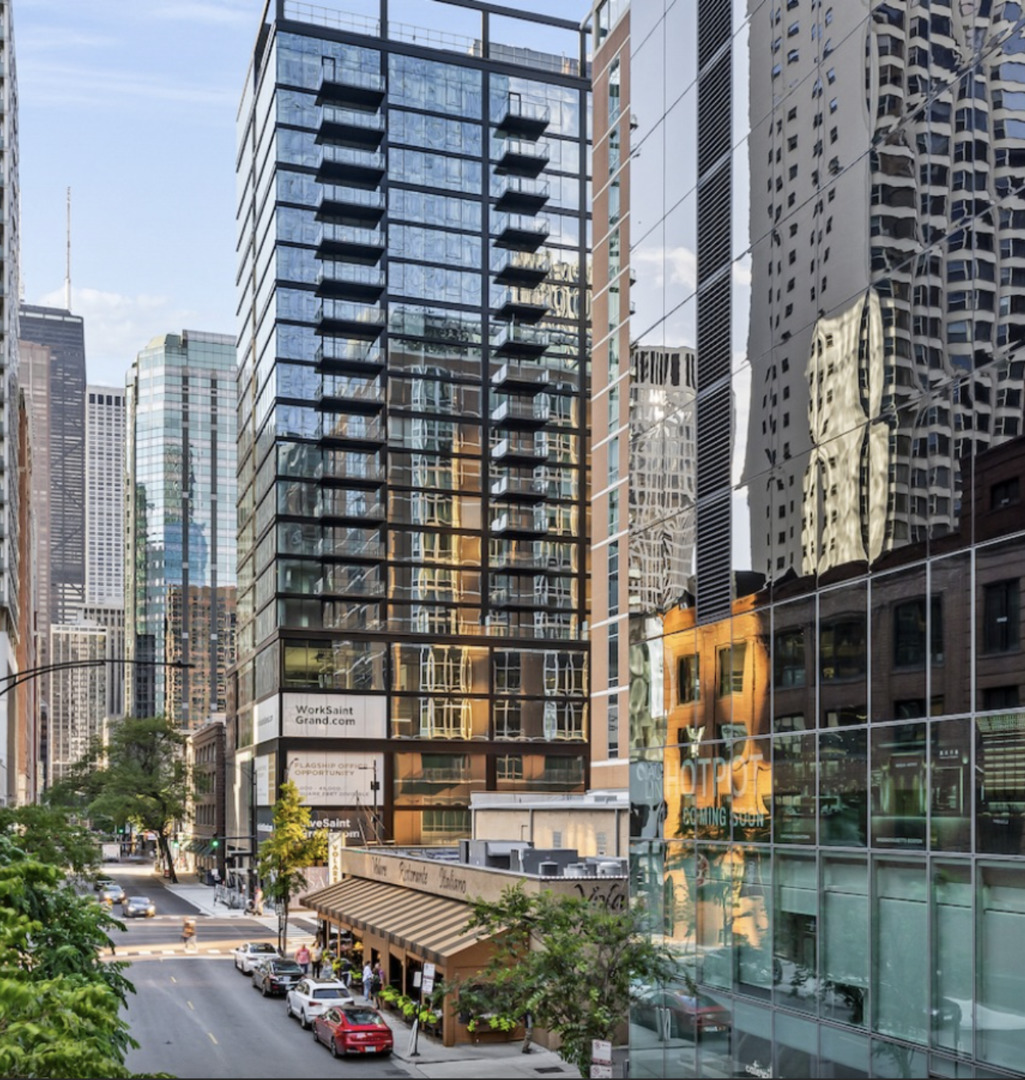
(132, 104)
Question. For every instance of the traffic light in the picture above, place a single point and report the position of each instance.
(215, 844)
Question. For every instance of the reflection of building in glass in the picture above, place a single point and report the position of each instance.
(180, 526)
(827, 738)
(412, 512)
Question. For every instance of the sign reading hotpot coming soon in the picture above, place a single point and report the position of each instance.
(330, 777)
(314, 716)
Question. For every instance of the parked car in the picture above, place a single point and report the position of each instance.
(310, 997)
(102, 883)
(112, 894)
(249, 952)
(674, 1014)
(353, 1029)
(275, 975)
(139, 907)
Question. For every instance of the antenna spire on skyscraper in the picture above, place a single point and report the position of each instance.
(67, 275)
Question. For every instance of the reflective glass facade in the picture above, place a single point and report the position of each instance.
(413, 237)
(180, 463)
(821, 204)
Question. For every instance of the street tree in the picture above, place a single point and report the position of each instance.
(60, 1001)
(140, 776)
(291, 848)
(563, 963)
(51, 835)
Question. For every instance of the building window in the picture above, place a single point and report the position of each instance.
(788, 659)
(1006, 493)
(613, 656)
(909, 630)
(614, 578)
(613, 727)
(842, 652)
(1000, 697)
(1000, 620)
(731, 668)
(688, 680)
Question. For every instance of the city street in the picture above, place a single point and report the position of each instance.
(194, 1015)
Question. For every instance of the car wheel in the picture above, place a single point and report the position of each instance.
(334, 1048)
(263, 989)
(304, 1020)
(288, 1007)
(316, 1037)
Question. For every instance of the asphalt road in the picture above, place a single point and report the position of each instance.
(194, 1015)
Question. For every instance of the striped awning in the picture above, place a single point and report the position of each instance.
(433, 926)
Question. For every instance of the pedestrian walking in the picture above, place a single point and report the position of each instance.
(316, 955)
(376, 983)
(302, 958)
(189, 935)
(368, 980)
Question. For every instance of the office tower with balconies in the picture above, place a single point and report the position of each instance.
(826, 733)
(180, 487)
(413, 237)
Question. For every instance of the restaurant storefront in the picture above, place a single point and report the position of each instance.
(407, 908)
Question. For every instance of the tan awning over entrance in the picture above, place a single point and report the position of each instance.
(432, 926)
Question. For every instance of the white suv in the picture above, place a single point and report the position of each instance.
(310, 997)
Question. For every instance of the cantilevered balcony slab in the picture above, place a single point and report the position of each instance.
(521, 305)
(349, 318)
(519, 415)
(350, 281)
(345, 204)
(351, 127)
(523, 269)
(523, 119)
(349, 355)
(515, 339)
(350, 86)
(520, 232)
(522, 157)
(520, 523)
(513, 489)
(348, 164)
(348, 394)
(519, 194)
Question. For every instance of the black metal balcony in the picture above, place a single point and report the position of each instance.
(518, 489)
(354, 356)
(521, 305)
(351, 394)
(520, 523)
(523, 119)
(518, 415)
(351, 127)
(349, 86)
(521, 453)
(515, 339)
(354, 320)
(519, 194)
(522, 157)
(355, 430)
(522, 379)
(350, 281)
(350, 545)
(342, 204)
(363, 168)
(520, 232)
(522, 269)
(342, 505)
(340, 580)
(351, 243)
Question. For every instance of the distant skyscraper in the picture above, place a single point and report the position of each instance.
(104, 496)
(55, 380)
(180, 526)
(413, 556)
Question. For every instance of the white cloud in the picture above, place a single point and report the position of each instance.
(118, 326)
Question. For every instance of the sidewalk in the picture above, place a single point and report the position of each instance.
(433, 1060)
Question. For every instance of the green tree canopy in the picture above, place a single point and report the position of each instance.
(566, 964)
(60, 1000)
(290, 849)
(48, 834)
(140, 776)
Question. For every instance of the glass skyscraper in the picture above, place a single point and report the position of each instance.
(820, 207)
(180, 527)
(413, 236)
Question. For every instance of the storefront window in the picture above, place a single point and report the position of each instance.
(1000, 961)
(900, 786)
(844, 960)
(901, 951)
(795, 932)
(952, 986)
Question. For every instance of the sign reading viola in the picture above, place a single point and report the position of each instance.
(352, 716)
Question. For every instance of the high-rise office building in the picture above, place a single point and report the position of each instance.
(413, 231)
(18, 737)
(822, 204)
(180, 527)
(53, 374)
(104, 496)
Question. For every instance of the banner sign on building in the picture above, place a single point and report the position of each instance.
(351, 716)
(334, 777)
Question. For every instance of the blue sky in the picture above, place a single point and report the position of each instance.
(132, 104)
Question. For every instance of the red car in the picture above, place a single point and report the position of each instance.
(353, 1029)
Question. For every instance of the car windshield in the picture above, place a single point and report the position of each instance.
(361, 1016)
(330, 994)
(138, 900)
(286, 967)
(262, 948)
